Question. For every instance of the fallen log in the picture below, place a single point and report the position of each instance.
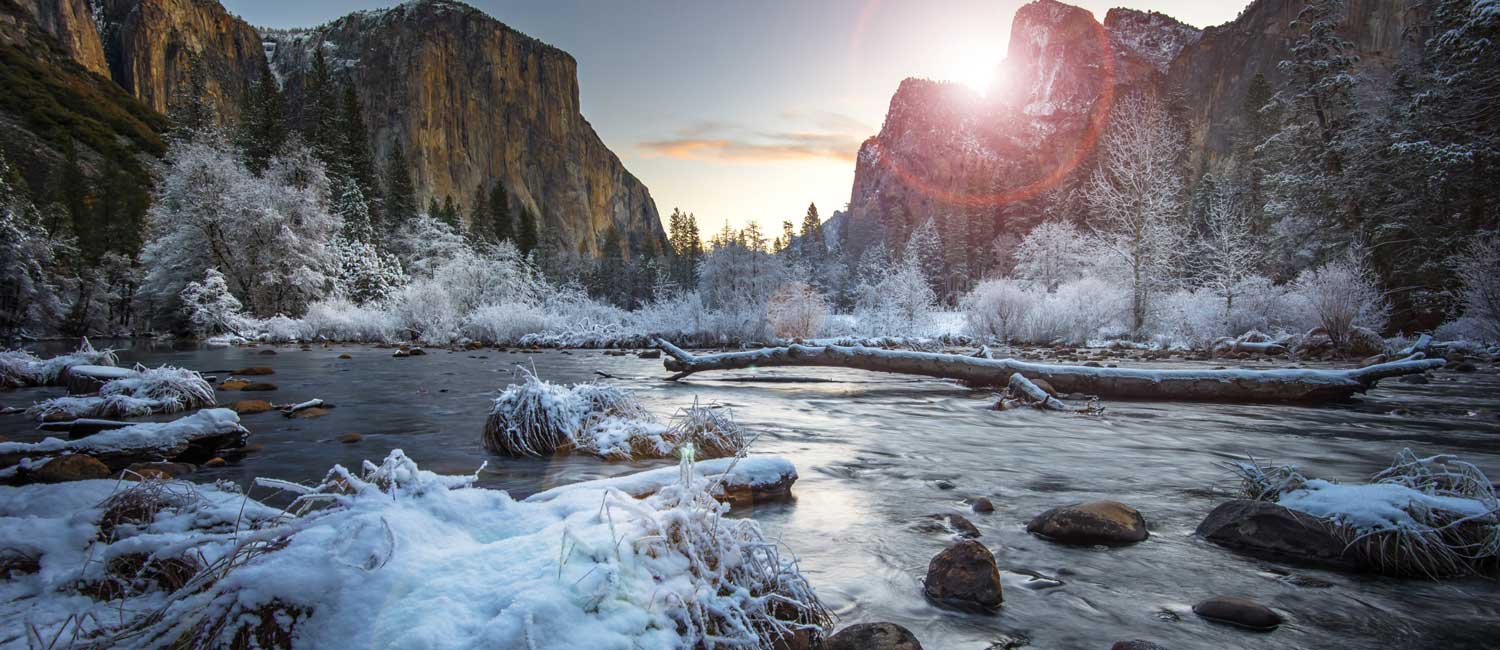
(738, 481)
(83, 427)
(1292, 385)
(1023, 390)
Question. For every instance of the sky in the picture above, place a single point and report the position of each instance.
(739, 110)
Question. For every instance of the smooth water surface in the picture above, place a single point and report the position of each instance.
(871, 449)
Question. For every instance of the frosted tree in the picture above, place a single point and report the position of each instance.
(1229, 252)
(901, 302)
(28, 292)
(925, 249)
(1478, 272)
(995, 309)
(209, 306)
(268, 234)
(1309, 198)
(424, 244)
(1053, 252)
(353, 210)
(1136, 197)
(1343, 295)
(363, 272)
(796, 310)
(738, 280)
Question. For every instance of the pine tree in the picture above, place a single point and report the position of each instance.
(480, 226)
(350, 204)
(320, 114)
(529, 234)
(502, 226)
(74, 193)
(400, 197)
(262, 130)
(925, 250)
(355, 158)
(812, 248)
(449, 214)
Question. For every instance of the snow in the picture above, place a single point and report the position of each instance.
(1375, 506)
(404, 558)
(147, 435)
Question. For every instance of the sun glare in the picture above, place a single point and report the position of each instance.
(976, 68)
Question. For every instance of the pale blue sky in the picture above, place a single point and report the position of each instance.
(749, 110)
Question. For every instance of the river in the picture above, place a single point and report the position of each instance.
(871, 450)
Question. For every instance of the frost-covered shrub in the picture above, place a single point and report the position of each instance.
(1077, 311)
(1262, 305)
(900, 303)
(796, 310)
(504, 323)
(678, 317)
(1192, 318)
(19, 368)
(1478, 271)
(710, 428)
(423, 312)
(995, 309)
(1342, 295)
(365, 274)
(280, 329)
(341, 320)
(210, 307)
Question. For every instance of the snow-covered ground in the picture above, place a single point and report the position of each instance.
(391, 556)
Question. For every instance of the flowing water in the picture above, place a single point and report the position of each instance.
(871, 450)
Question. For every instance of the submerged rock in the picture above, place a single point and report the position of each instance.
(950, 523)
(251, 406)
(964, 576)
(873, 636)
(254, 371)
(1268, 530)
(350, 438)
(73, 467)
(1138, 644)
(649, 354)
(1414, 379)
(983, 505)
(1238, 611)
(1096, 522)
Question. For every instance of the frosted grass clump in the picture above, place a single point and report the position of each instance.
(1429, 516)
(539, 418)
(592, 568)
(20, 368)
(166, 389)
(710, 428)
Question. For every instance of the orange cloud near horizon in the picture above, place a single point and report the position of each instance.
(764, 147)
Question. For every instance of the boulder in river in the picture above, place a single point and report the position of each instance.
(873, 636)
(964, 576)
(1238, 611)
(1109, 523)
(983, 505)
(1268, 530)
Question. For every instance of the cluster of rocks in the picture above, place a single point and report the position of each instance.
(966, 576)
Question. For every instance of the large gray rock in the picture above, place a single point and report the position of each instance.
(1096, 522)
(873, 636)
(1271, 531)
(964, 576)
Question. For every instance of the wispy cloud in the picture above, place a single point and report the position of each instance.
(809, 136)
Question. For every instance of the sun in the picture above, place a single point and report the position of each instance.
(976, 67)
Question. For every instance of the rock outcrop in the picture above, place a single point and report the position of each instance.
(999, 161)
(944, 151)
(474, 102)
(71, 24)
(166, 52)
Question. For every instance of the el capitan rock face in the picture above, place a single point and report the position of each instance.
(163, 51)
(472, 101)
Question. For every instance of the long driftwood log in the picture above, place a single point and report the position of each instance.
(1292, 385)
